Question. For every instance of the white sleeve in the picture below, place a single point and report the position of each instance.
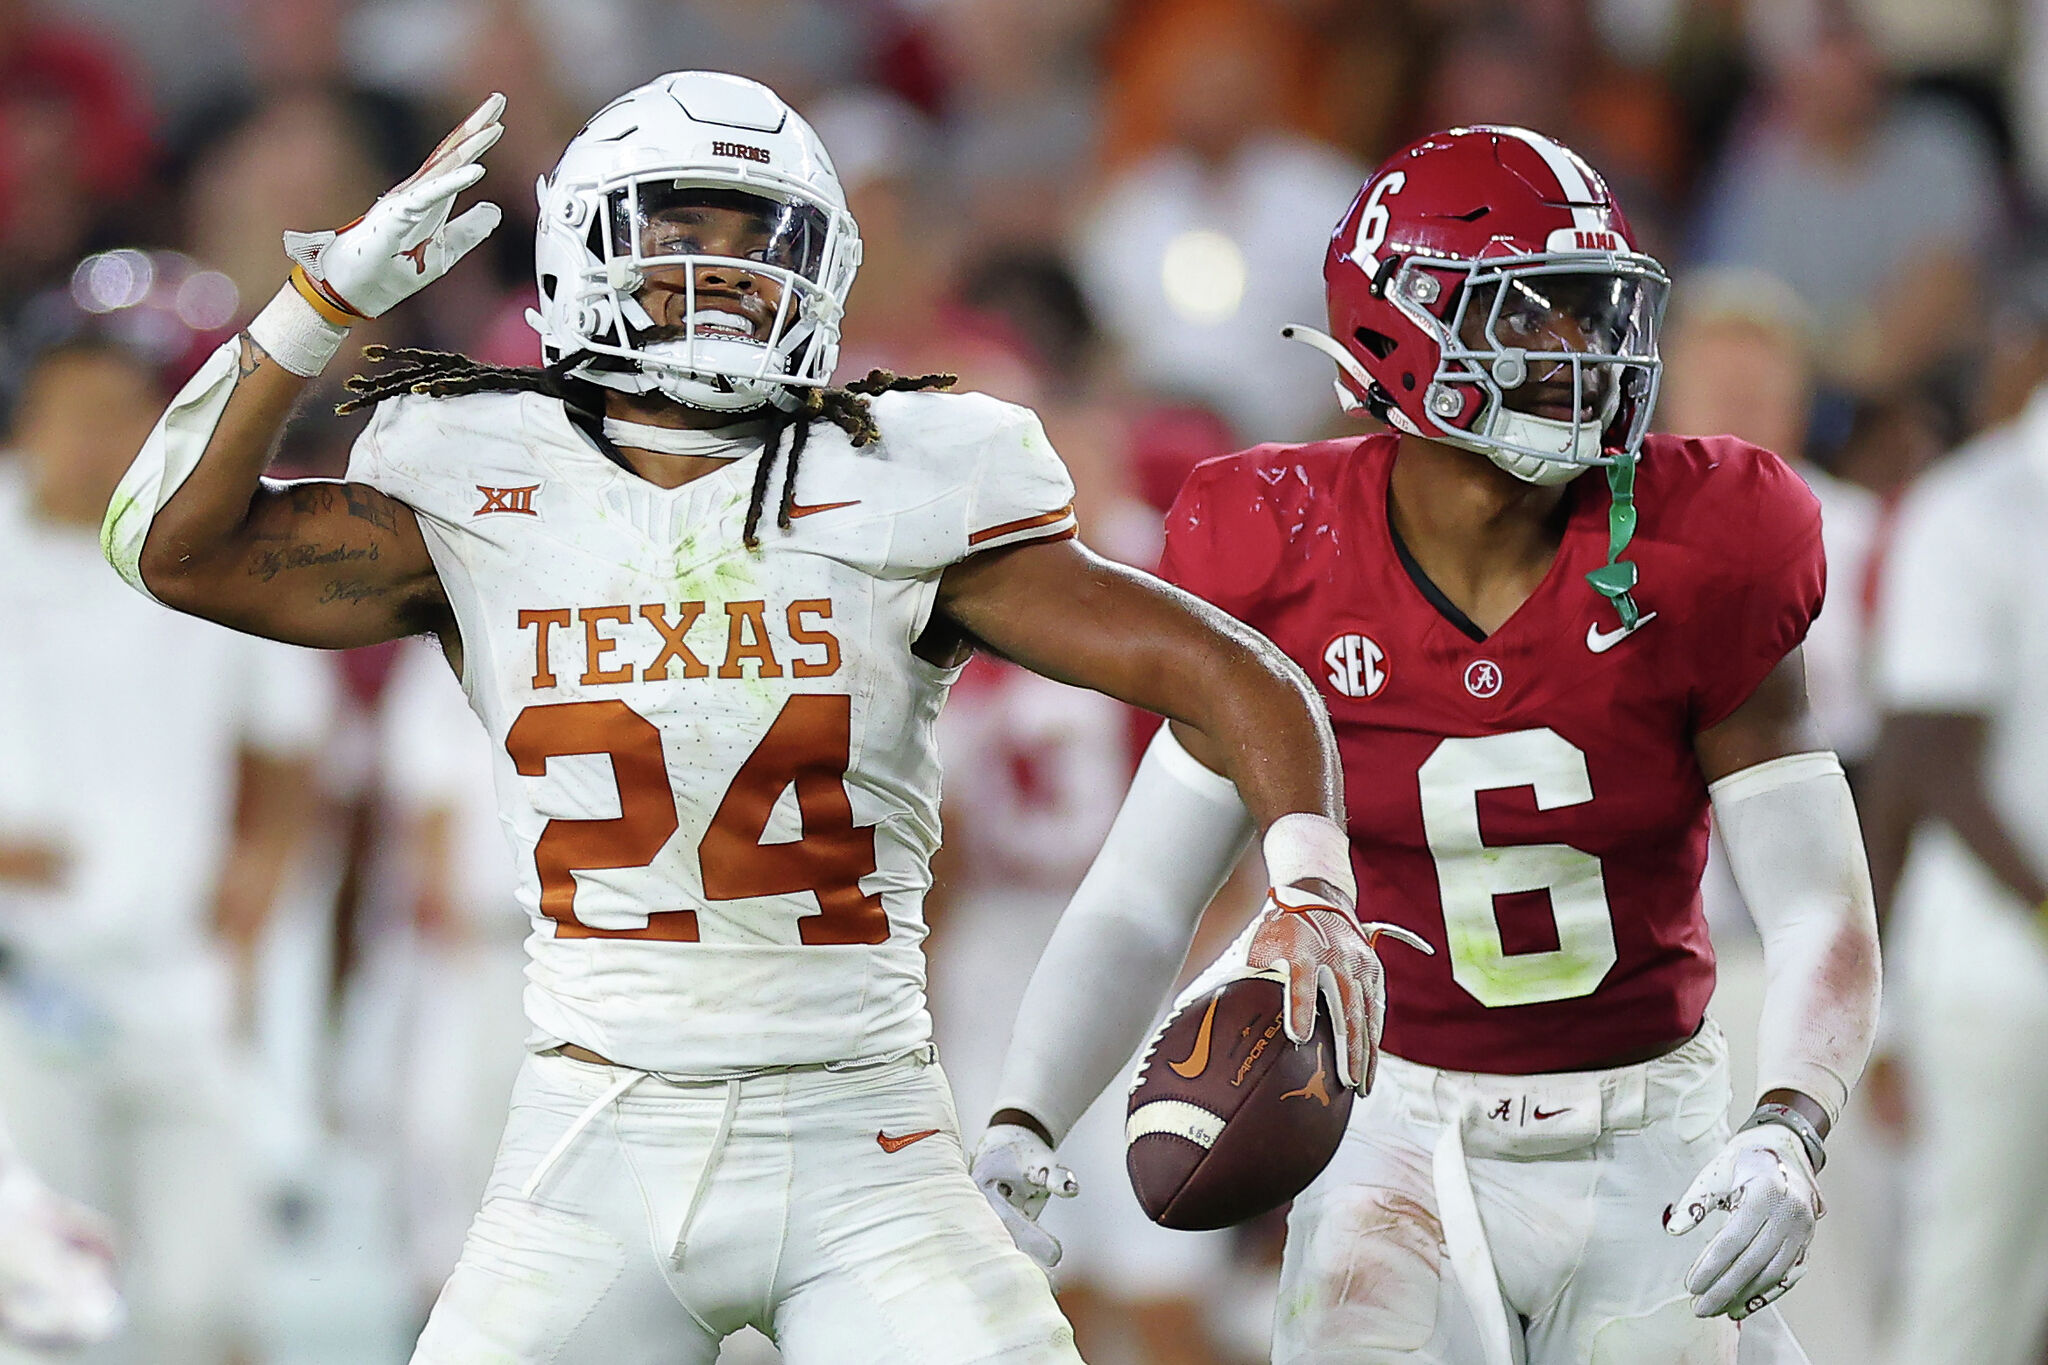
(291, 698)
(166, 460)
(1022, 490)
(1944, 637)
(1099, 985)
(1796, 850)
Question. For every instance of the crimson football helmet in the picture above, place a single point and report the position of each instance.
(1485, 291)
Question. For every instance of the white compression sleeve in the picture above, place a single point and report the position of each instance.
(167, 459)
(1099, 986)
(1796, 850)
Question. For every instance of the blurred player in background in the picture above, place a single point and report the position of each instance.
(1540, 685)
(1962, 670)
(708, 634)
(1738, 361)
(464, 1033)
(1033, 772)
(158, 783)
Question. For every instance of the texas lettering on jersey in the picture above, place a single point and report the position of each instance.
(1528, 800)
(605, 647)
(716, 764)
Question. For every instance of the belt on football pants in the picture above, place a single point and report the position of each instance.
(632, 1077)
(612, 1094)
(1465, 1243)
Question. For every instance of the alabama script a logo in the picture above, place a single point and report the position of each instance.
(507, 500)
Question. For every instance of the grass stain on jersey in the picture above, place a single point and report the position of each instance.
(710, 564)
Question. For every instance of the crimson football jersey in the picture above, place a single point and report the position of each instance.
(1529, 800)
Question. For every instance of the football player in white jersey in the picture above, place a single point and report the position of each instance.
(711, 705)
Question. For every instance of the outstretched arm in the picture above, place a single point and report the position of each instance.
(195, 525)
(1061, 611)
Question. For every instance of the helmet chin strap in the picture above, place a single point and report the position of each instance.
(1530, 468)
(1320, 341)
(1616, 579)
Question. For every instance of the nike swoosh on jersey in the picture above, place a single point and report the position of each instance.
(797, 509)
(1197, 1060)
(1600, 641)
(897, 1144)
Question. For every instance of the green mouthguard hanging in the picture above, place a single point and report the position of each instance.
(1617, 576)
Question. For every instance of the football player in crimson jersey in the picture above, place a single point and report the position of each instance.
(1543, 679)
(712, 717)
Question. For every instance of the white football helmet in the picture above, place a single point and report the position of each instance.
(695, 183)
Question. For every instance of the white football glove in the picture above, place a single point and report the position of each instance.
(56, 1266)
(1765, 1182)
(1317, 948)
(405, 241)
(1017, 1174)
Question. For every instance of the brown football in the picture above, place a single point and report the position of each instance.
(1228, 1119)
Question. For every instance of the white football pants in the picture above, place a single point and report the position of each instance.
(1511, 1220)
(1972, 1014)
(683, 1212)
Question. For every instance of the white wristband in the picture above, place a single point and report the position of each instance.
(294, 335)
(1304, 845)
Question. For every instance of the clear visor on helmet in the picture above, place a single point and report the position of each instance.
(718, 282)
(655, 222)
(1555, 340)
(1560, 310)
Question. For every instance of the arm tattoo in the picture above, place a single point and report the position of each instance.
(366, 505)
(351, 590)
(253, 357)
(308, 499)
(269, 563)
(318, 498)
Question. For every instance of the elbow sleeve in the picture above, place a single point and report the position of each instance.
(1104, 976)
(1796, 850)
(166, 460)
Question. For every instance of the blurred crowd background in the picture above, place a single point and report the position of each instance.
(260, 987)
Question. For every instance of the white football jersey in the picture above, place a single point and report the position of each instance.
(716, 765)
(121, 724)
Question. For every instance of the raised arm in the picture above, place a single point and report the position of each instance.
(194, 523)
(315, 562)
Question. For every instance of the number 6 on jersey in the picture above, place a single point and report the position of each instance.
(1471, 873)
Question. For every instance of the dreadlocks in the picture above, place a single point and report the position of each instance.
(845, 408)
(444, 374)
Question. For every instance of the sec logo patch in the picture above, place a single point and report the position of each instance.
(1357, 667)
